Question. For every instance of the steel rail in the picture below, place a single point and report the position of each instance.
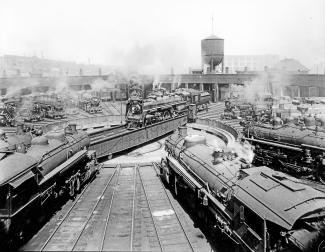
(133, 206)
(109, 210)
(93, 210)
(76, 200)
(171, 203)
(150, 209)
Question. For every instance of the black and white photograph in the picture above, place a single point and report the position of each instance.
(162, 125)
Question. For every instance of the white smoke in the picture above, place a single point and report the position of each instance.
(255, 89)
(16, 88)
(274, 84)
(100, 84)
(61, 85)
(242, 149)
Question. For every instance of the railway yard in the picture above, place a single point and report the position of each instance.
(122, 129)
(136, 201)
(126, 208)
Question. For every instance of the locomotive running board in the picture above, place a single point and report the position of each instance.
(272, 143)
(64, 166)
(182, 172)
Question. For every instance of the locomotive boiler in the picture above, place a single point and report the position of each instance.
(53, 165)
(293, 149)
(257, 208)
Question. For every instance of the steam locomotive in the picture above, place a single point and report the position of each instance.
(34, 172)
(141, 112)
(7, 115)
(90, 105)
(298, 150)
(242, 202)
(242, 109)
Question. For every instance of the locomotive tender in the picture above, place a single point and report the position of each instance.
(243, 202)
(297, 150)
(54, 164)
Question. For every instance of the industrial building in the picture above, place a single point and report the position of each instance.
(217, 74)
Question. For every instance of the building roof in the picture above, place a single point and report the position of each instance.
(290, 65)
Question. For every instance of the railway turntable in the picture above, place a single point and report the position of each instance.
(127, 208)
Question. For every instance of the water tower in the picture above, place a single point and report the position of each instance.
(212, 52)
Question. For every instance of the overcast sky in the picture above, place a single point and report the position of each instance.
(158, 35)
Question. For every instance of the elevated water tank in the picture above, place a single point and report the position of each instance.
(212, 51)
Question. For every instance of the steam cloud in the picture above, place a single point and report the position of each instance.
(243, 150)
(262, 85)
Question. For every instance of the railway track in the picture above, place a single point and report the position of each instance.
(127, 208)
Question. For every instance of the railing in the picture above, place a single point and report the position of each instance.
(220, 125)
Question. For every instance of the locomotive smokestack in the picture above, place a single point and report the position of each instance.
(182, 131)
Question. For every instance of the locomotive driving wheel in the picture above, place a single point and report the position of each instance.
(72, 188)
(77, 184)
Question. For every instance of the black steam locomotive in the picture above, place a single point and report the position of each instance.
(34, 172)
(141, 112)
(290, 148)
(242, 202)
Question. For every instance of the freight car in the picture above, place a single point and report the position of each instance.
(257, 208)
(297, 150)
(54, 165)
